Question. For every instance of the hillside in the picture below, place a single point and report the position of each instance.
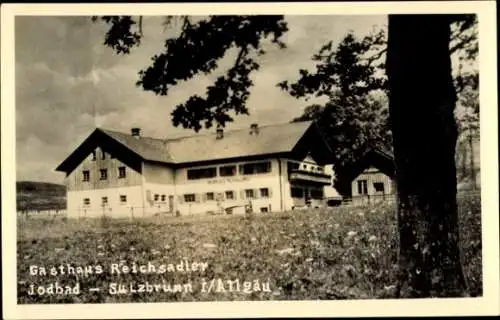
(40, 195)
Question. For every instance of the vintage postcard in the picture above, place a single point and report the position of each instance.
(251, 159)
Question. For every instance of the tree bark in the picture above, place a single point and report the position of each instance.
(472, 162)
(421, 104)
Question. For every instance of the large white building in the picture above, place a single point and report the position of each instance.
(273, 168)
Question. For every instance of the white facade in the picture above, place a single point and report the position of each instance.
(165, 190)
(269, 170)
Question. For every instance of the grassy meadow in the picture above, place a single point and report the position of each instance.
(339, 253)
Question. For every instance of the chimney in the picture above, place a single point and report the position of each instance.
(136, 132)
(254, 128)
(219, 133)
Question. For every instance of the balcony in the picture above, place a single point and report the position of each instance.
(298, 175)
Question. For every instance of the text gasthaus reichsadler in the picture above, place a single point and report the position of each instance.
(121, 287)
(119, 268)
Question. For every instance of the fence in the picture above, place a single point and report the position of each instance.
(138, 212)
(391, 199)
(42, 212)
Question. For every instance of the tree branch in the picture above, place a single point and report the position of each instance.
(464, 41)
(376, 56)
(140, 26)
(243, 52)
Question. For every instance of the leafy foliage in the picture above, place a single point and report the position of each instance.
(354, 120)
(121, 35)
(355, 117)
(198, 49)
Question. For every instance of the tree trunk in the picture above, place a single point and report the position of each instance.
(472, 162)
(421, 105)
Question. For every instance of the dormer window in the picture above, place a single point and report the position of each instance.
(86, 175)
(104, 174)
(121, 172)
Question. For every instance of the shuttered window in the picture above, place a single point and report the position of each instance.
(249, 194)
(209, 196)
(189, 197)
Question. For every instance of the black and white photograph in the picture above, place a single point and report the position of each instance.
(183, 156)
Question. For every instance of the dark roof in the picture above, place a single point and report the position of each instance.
(147, 148)
(380, 158)
(271, 139)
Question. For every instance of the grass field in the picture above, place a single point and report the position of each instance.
(341, 253)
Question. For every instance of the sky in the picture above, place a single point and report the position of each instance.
(64, 73)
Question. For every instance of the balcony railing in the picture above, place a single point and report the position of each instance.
(309, 176)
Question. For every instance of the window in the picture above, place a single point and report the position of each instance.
(230, 195)
(379, 187)
(362, 187)
(104, 201)
(255, 168)
(209, 196)
(249, 194)
(264, 192)
(189, 197)
(297, 192)
(203, 173)
(86, 175)
(264, 209)
(86, 201)
(163, 198)
(93, 155)
(104, 174)
(227, 171)
(121, 172)
(317, 194)
(157, 197)
(123, 199)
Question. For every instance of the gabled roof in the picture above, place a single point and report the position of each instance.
(147, 148)
(271, 140)
(380, 158)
